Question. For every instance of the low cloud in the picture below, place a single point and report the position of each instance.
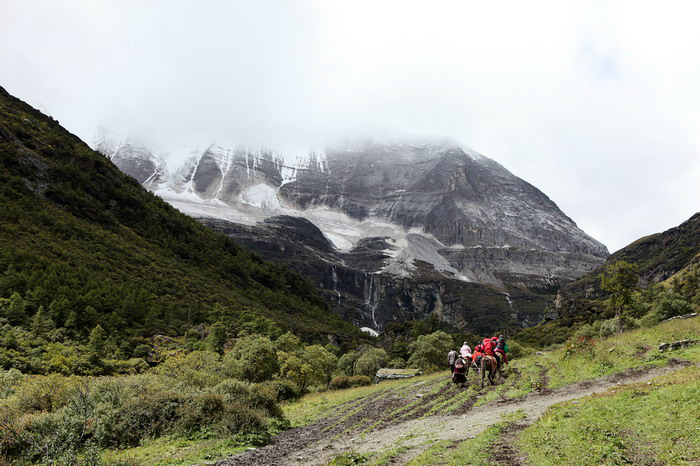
(597, 104)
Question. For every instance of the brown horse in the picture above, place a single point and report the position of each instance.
(488, 363)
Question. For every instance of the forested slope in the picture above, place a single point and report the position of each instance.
(84, 245)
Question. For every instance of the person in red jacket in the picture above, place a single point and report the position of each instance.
(490, 349)
(477, 355)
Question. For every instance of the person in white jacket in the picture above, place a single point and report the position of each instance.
(466, 352)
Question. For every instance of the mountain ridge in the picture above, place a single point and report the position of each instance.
(437, 209)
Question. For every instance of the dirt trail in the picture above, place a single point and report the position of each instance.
(310, 445)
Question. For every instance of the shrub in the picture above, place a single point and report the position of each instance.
(359, 381)
(312, 365)
(585, 331)
(142, 351)
(428, 352)
(252, 359)
(322, 362)
(671, 305)
(346, 363)
(284, 389)
(9, 380)
(610, 327)
(370, 362)
(48, 437)
(582, 346)
(241, 419)
(198, 369)
(650, 319)
(199, 411)
(131, 366)
(397, 363)
(258, 396)
(44, 393)
(517, 350)
(148, 415)
(339, 382)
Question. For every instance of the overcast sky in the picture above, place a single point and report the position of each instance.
(595, 103)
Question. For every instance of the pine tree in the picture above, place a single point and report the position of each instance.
(96, 342)
(41, 323)
(217, 337)
(17, 310)
(620, 280)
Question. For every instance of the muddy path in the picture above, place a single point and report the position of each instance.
(363, 425)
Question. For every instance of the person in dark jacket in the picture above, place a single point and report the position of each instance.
(451, 358)
(501, 348)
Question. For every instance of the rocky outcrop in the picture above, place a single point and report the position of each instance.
(356, 288)
(677, 345)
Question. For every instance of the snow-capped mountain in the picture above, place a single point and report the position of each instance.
(388, 211)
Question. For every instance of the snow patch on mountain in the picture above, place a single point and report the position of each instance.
(262, 196)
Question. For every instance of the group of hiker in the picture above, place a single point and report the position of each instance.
(459, 362)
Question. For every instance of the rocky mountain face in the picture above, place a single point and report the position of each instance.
(389, 231)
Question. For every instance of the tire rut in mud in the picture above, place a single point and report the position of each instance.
(371, 409)
(504, 451)
(369, 415)
(423, 407)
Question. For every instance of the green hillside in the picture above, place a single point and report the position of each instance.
(84, 245)
(663, 281)
(657, 256)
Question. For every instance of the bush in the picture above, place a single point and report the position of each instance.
(44, 393)
(284, 389)
(148, 415)
(241, 419)
(253, 359)
(584, 331)
(59, 420)
(308, 366)
(9, 380)
(198, 369)
(339, 382)
(50, 438)
(429, 352)
(370, 362)
(131, 366)
(359, 381)
(610, 327)
(397, 363)
(516, 350)
(672, 305)
(142, 351)
(199, 411)
(258, 396)
(346, 363)
(650, 319)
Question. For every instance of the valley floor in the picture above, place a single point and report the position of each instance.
(429, 420)
(396, 421)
